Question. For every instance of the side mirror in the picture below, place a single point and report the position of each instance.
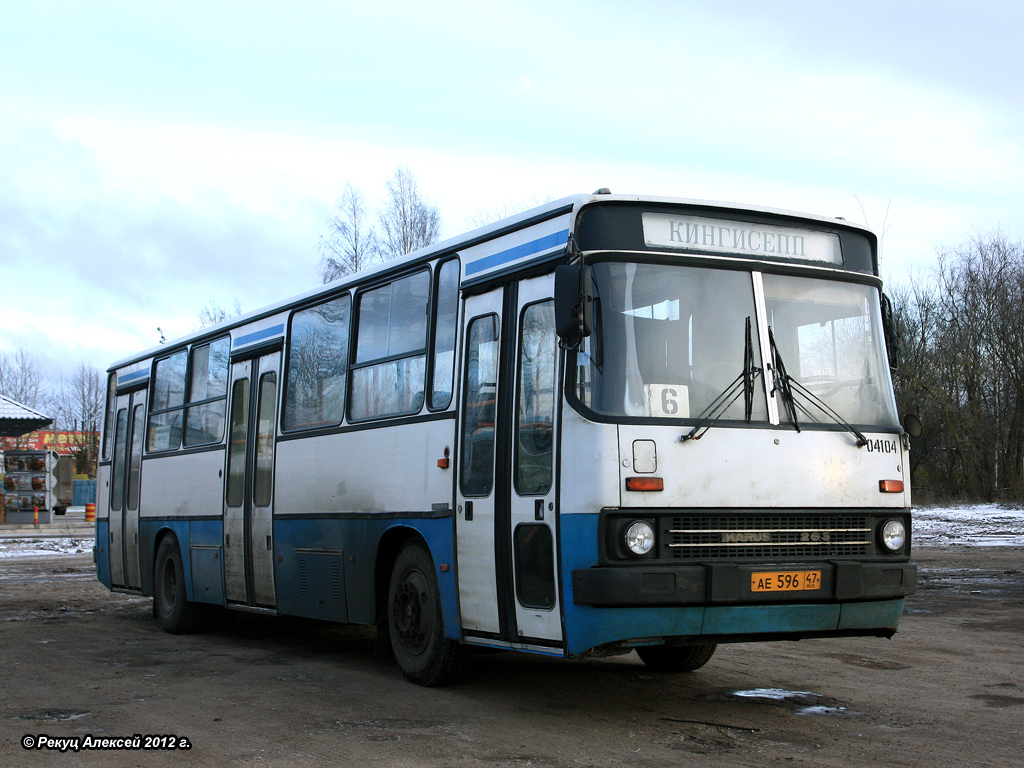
(912, 425)
(572, 301)
(892, 339)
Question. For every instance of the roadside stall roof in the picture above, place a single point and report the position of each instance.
(17, 419)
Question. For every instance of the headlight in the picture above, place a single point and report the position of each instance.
(894, 535)
(640, 537)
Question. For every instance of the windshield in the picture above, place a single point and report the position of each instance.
(829, 335)
(669, 340)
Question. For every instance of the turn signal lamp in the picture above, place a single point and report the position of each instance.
(890, 486)
(645, 484)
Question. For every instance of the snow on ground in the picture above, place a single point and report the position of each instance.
(986, 525)
(44, 547)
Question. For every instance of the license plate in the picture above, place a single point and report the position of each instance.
(785, 581)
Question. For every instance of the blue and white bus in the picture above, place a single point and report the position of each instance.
(611, 423)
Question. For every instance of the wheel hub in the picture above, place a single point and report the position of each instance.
(412, 612)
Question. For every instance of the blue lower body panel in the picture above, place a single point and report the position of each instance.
(102, 552)
(324, 568)
(590, 626)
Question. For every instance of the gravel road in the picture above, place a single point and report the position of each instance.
(79, 661)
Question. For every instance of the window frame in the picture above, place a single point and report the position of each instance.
(432, 333)
(284, 384)
(189, 403)
(109, 408)
(151, 412)
(423, 351)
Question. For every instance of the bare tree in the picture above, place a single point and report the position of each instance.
(352, 244)
(962, 370)
(481, 217)
(213, 313)
(406, 221)
(21, 378)
(77, 404)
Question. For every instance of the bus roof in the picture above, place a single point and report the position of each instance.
(517, 222)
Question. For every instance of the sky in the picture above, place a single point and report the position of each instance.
(158, 156)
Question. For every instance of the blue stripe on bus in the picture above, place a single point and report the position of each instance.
(132, 376)
(241, 341)
(518, 252)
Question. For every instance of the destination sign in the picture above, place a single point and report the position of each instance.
(697, 233)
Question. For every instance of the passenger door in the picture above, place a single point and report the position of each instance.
(534, 432)
(506, 513)
(249, 490)
(475, 500)
(126, 489)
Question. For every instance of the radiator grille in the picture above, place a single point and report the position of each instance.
(707, 537)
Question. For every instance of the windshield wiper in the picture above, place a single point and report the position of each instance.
(786, 386)
(742, 384)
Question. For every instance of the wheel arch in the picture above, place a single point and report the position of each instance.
(388, 547)
(435, 537)
(149, 581)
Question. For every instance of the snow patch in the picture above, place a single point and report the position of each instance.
(986, 525)
(44, 547)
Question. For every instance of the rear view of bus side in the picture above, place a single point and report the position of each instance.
(606, 424)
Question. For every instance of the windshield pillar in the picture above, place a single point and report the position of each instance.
(766, 352)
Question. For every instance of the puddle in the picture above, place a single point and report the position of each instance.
(806, 702)
(823, 710)
(778, 694)
(53, 715)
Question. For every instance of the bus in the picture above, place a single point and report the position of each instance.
(608, 424)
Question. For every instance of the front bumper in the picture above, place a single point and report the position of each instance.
(730, 584)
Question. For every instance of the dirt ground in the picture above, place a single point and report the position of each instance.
(76, 660)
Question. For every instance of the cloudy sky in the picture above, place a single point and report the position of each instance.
(156, 156)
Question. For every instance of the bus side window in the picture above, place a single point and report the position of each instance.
(389, 370)
(477, 441)
(167, 404)
(207, 393)
(317, 365)
(447, 300)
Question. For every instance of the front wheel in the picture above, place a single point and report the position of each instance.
(423, 653)
(175, 614)
(676, 658)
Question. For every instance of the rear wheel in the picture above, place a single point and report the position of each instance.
(676, 658)
(415, 626)
(175, 614)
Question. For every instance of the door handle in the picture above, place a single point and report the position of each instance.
(538, 509)
(469, 510)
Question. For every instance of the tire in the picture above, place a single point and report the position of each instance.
(172, 610)
(415, 625)
(676, 658)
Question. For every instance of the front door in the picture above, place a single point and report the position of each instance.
(506, 508)
(126, 489)
(249, 490)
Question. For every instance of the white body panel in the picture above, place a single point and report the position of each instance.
(516, 248)
(183, 485)
(752, 468)
(103, 492)
(585, 447)
(373, 470)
